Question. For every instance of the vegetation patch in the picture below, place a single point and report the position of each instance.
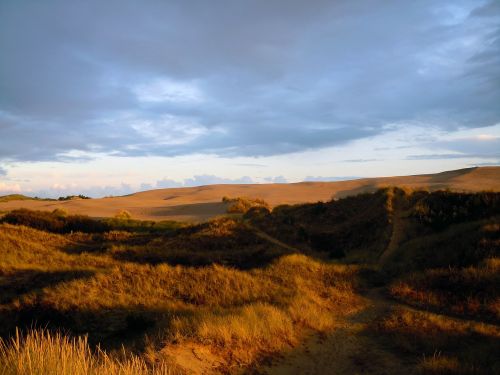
(242, 205)
(441, 344)
(471, 291)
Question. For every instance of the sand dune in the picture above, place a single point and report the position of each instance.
(203, 202)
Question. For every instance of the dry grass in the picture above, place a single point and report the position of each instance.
(42, 353)
(240, 294)
(441, 344)
(471, 291)
(242, 205)
(240, 314)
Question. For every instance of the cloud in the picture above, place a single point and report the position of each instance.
(482, 146)
(58, 190)
(439, 156)
(167, 183)
(211, 180)
(251, 165)
(486, 164)
(327, 179)
(252, 78)
(359, 160)
(276, 180)
(3, 172)
(199, 180)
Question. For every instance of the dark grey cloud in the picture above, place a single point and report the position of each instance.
(238, 78)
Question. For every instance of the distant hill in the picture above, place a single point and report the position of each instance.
(21, 197)
(204, 202)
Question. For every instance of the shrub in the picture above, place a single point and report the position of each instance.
(442, 208)
(55, 221)
(241, 205)
(71, 197)
(60, 212)
(124, 215)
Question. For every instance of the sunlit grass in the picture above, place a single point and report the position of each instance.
(41, 353)
(243, 313)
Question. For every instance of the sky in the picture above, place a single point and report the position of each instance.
(110, 97)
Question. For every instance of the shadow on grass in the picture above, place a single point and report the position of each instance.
(436, 343)
(202, 245)
(15, 284)
(243, 259)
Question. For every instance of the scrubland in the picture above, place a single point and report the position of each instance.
(122, 296)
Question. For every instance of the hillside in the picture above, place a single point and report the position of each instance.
(395, 281)
(204, 202)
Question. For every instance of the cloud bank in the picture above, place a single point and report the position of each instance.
(254, 78)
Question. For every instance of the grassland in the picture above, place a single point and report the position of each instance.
(404, 281)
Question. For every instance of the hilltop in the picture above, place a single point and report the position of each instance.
(204, 202)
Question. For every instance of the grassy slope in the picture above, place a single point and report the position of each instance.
(240, 291)
(240, 314)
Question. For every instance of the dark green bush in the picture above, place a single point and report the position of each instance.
(54, 222)
(442, 208)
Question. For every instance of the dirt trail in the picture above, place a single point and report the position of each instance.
(347, 350)
(399, 212)
(267, 237)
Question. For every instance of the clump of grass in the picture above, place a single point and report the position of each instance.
(60, 212)
(123, 215)
(241, 205)
(41, 352)
(438, 364)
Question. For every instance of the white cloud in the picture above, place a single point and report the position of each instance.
(6, 188)
(167, 90)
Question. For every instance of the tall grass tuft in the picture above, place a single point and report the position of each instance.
(40, 352)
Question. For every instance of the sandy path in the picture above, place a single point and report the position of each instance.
(347, 350)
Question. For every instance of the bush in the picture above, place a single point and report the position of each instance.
(442, 208)
(55, 221)
(60, 212)
(71, 197)
(123, 215)
(241, 205)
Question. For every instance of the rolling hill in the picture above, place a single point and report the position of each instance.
(204, 202)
